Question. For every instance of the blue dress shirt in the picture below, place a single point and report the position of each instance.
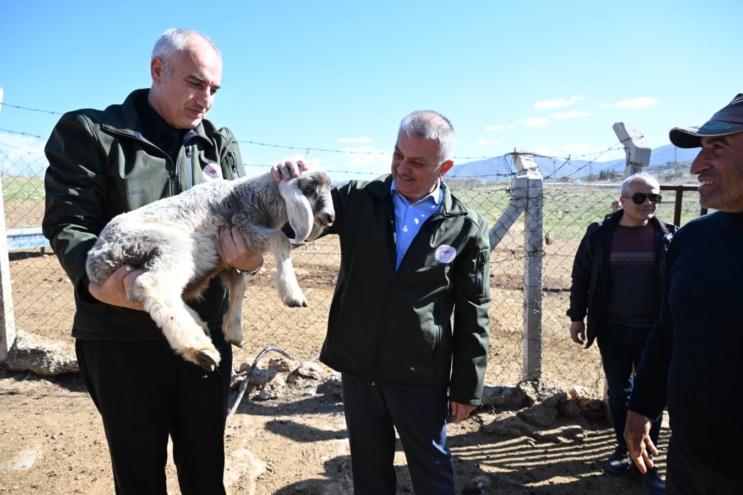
(409, 217)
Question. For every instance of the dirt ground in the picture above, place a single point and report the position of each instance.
(52, 441)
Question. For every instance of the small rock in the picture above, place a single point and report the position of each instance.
(569, 409)
(260, 376)
(44, 357)
(530, 393)
(509, 425)
(333, 386)
(269, 392)
(476, 485)
(308, 370)
(282, 364)
(503, 396)
(561, 435)
(541, 414)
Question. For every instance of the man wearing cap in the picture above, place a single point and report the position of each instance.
(693, 356)
(617, 284)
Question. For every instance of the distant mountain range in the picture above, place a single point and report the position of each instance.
(500, 168)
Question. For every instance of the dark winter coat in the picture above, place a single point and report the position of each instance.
(589, 293)
(393, 328)
(99, 166)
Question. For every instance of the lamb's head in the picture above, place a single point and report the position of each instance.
(308, 202)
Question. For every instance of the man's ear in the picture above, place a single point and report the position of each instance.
(157, 70)
(446, 166)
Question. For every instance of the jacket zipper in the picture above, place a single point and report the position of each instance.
(233, 163)
(416, 242)
(480, 274)
(383, 333)
(189, 168)
(378, 352)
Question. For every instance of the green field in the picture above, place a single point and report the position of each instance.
(18, 188)
(567, 209)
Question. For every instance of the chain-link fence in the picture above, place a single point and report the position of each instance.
(43, 300)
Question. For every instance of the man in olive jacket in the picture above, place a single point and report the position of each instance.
(102, 163)
(411, 255)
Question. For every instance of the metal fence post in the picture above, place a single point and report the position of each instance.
(530, 185)
(7, 317)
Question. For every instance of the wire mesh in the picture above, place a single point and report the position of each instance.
(43, 299)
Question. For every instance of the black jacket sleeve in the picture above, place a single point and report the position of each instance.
(581, 275)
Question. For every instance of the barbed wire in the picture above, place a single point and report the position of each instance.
(614, 147)
(23, 133)
(31, 109)
(509, 165)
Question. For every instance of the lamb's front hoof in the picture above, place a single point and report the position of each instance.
(296, 302)
(206, 361)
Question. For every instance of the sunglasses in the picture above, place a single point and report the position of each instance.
(639, 198)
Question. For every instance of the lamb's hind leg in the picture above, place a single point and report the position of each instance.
(286, 280)
(231, 324)
(160, 292)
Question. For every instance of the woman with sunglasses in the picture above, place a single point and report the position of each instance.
(616, 283)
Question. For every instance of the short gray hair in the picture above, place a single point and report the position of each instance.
(173, 42)
(638, 177)
(431, 125)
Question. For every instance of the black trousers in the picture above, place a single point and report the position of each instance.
(145, 392)
(372, 416)
(685, 476)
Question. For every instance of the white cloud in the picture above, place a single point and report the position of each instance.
(535, 121)
(577, 149)
(556, 103)
(604, 105)
(368, 158)
(641, 102)
(362, 139)
(487, 142)
(498, 127)
(572, 114)
(540, 150)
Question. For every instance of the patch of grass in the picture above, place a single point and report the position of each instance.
(18, 188)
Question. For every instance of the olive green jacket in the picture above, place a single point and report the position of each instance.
(393, 328)
(100, 166)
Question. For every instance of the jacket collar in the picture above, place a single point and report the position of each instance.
(122, 119)
(613, 220)
(450, 205)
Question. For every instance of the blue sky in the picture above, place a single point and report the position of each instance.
(545, 75)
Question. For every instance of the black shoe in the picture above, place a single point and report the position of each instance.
(619, 461)
(650, 481)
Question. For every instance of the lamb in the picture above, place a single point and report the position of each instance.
(176, 240)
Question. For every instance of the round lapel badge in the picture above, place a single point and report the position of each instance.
(445, 254)
(211, 171)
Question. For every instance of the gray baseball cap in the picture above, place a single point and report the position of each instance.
(729, 120)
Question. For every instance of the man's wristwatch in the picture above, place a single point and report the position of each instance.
(251, 273)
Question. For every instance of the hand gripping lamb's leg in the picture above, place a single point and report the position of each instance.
(231, 324)
(169, 266)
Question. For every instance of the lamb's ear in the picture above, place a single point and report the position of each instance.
(298, 209)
